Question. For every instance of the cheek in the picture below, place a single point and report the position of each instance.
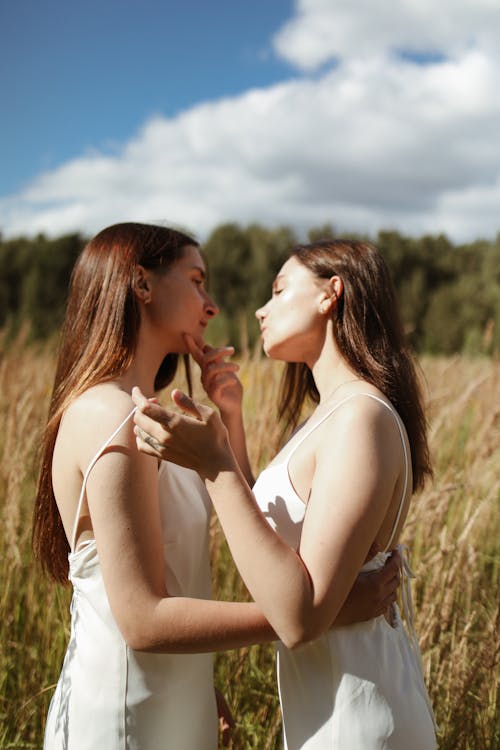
(293, 317)
(289, 329)
(188, 304)
(280, 332)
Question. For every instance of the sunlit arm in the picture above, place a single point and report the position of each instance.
(123, 499)
(236, 431)
(301, 592)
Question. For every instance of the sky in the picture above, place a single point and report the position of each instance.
(362, 114)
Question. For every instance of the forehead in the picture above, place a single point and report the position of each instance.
(293, 269)
(191, 258)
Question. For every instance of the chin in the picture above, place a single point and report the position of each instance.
(271, 351)
(282, 353)
(265, 348)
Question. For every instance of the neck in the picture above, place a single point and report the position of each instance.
(145, 364)
(329, 369)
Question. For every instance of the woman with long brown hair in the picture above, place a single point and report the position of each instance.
(341, 484)
(132, 536)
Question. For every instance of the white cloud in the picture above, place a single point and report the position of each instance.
(373, 142)
(323, 30)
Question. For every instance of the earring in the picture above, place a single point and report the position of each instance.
(144, 295)
(324, 307)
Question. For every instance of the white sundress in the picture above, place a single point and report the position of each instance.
(110, 697)
(358, 687)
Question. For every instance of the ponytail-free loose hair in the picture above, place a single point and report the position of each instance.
(98, 342)
(369, 332)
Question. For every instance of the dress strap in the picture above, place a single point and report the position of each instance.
(407, 465)
(86, 476)
(405, 450)
(323, 418)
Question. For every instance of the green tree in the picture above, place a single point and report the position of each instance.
(449, 295)
(34, 276)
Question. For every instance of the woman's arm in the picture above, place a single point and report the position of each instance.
(300, 592)
(372, 593)
(122, 492)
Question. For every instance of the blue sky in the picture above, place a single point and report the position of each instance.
(360, 114)
(83, 75)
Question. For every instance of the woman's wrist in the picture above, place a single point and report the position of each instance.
(231, 415)
(220, 459)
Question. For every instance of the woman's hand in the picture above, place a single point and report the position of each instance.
(221, 383)
(196, 439)
(372, 593)
(218, 376)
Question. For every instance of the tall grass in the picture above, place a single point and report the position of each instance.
(452, 531)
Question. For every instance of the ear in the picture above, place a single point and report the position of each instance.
(141, 285)
(333, 292)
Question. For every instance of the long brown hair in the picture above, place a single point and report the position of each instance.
(370, 335)
(98, 342)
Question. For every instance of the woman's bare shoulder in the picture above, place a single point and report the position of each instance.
(105, 402)
(92, 418)
(364, 408)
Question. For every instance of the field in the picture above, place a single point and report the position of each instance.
(453, 533)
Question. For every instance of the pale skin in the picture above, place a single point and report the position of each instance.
(122, 505)
(122, 510)
(349, 472)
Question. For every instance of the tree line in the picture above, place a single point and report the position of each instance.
(449, 294)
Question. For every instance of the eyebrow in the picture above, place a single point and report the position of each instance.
(279, 276)
(200, 270)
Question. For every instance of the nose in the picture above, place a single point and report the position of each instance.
(260, 314)
(211, 308)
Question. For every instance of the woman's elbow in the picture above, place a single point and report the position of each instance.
(296, 635)
(137, 627)
(137, 636)
(293, 641)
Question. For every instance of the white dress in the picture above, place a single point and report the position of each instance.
(110, 697)
(358, 687)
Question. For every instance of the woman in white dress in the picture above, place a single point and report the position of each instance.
(133, 539)
(341, 484)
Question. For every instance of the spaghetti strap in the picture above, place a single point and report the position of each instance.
(405, 450)
(407, 467)
(86, 476)
(359, 686)
(108, 696)
(323, 418)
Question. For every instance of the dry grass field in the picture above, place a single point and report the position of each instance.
(453, 533)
